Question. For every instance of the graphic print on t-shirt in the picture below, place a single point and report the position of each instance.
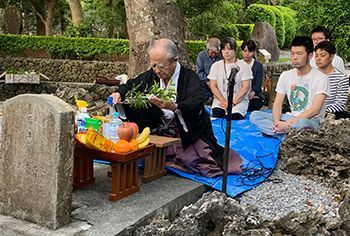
(299, 96)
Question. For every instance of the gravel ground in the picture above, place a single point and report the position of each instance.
(294, 193)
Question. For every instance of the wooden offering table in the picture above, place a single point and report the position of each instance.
(124, 168)
(154, 164)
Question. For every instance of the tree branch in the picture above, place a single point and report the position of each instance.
(36, 10)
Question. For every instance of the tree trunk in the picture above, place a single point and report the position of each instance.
(152, 19)
(44, 13)
(50, 13)
(40, 27)
(77, 12)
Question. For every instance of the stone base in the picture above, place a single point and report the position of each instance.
(22, 79)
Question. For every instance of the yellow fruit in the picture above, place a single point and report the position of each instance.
(144, 135)
(144, 143)
(134, 144)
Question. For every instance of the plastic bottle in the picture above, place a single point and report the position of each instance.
(114, 126)
(110, 106)
(108, 117)
(81, 119)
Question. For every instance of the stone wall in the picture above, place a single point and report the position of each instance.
(66, 70)
(276, 68)
(93, 93)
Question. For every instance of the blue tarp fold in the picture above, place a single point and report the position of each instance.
(259, 155)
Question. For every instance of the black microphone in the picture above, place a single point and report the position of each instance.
(233, 73)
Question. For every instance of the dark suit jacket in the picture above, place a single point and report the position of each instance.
(190, 102)
(258, 74)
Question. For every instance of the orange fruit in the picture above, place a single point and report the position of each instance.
(122, 146)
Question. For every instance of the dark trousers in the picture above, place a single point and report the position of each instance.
(342, 114)
(220, 113)
(255, 104)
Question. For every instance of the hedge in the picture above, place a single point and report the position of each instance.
(228, 30)
(280, 26)
(195, 47)
(76, 48)
(260, 12)
(244, 30)
(290, 24)
(64, 47)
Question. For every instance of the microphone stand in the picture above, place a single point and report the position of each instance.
(230, 86)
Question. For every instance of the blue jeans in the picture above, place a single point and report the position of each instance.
(264, 122)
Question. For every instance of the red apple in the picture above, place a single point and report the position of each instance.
(125, 132)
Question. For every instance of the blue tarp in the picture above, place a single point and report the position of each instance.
(259, 155)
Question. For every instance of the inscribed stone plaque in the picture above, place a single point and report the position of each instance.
(36, 162)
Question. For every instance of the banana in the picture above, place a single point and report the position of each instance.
(144, 135)
(144, 143)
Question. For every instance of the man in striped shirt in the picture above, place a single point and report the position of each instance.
(338, 82)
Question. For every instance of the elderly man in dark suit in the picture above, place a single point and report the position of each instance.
(199, 151)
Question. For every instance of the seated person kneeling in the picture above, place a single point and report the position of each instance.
(199, 151)
(256, 96)
(218, 77)
(306, 89)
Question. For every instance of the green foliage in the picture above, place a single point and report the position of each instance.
(290, 24)
(260, 12)
(139, 99)
(227, 30)
(204, 25)
(84, 30)
(208, 25)
(106, 20)
(331, 14)
(244, 30)
(194, 47)
(165, 95)
(19, 70)
(228, 12)
(190, 8)
(77, 48)
(216, 21)
(64, 47)
(136, 98)
(280, 26)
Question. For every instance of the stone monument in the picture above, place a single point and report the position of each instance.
(12, 20)
(265, 36)
(36, 159)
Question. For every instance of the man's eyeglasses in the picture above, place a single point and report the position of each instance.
(160, 66)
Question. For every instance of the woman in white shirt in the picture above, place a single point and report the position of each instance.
(218, 81)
